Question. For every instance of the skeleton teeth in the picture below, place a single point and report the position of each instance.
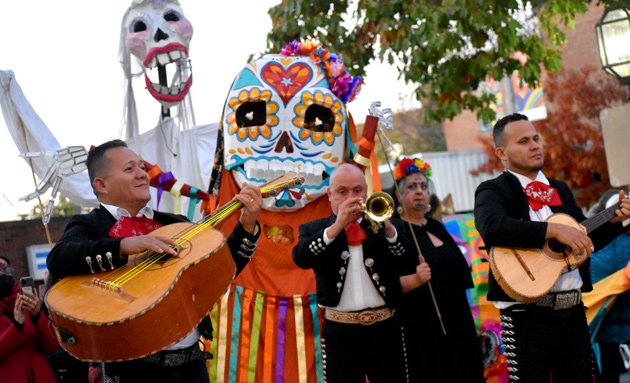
(153, 63)
(310, 179)
(288, 167)
(163, 59)
(274, 164)
(175, 55)
(318, 169)
(307, 168)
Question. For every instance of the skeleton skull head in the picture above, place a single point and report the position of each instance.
(158, 34)
(282, 116)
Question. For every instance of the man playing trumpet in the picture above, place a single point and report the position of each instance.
(357, 285)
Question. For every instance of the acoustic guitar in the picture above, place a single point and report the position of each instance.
(154, 300)
(527, 275)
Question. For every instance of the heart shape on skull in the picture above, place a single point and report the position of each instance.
(286, 81)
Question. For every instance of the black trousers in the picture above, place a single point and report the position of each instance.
(543, 344)
(353, 351)
(138, 371)
(611, 362)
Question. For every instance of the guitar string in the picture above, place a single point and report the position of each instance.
(185, 235)
(118, 276)
(189, 233)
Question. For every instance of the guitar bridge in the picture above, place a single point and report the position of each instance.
(111, 287)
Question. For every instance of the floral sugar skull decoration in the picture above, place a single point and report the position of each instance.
(287, 113)
(158, 34)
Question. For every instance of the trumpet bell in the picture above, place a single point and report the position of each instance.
(378, 208)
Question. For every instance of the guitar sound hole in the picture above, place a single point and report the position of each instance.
(556, 246)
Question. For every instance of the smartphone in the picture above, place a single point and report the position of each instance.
(26, 284)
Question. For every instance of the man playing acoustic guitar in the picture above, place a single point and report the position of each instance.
(546, 337)
(103, 239)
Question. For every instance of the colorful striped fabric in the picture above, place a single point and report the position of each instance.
(264, 338)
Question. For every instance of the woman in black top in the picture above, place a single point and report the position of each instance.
(433, 356)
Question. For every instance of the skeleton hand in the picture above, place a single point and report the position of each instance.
(67, 161)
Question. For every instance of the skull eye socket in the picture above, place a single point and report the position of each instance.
(138, 26)
(171, 16)
(319, 119)
(251, 113)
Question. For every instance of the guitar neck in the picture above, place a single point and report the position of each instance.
(271, 188)
(599, 219)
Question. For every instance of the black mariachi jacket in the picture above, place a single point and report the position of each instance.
(502, 218)
(330, 262)
(87, 235)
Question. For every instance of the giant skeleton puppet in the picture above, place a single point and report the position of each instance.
(284, 113)
(157, 34)
(154, 45)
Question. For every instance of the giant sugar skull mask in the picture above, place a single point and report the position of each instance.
(281, 115)
(158, 34)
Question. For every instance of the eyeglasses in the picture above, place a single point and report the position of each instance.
(6, 270)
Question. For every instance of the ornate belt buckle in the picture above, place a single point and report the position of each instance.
(367, 317)
(564, 301)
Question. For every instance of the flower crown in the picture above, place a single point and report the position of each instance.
(408, 166)
(342, 84)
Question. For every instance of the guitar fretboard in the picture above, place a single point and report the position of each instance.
(599, 219)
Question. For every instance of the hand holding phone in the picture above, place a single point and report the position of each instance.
(29, 298)
(26, 284)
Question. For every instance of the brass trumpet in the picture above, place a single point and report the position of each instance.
(378, 208)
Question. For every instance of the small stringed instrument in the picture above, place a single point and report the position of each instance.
(154, 300)
(527, 275)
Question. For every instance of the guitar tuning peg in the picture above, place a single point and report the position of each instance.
(88, 260)
(109, 259)
(99, 260)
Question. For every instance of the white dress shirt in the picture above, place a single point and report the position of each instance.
(358, 291)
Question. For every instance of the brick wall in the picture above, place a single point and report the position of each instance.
(581, 48)
(17, 235)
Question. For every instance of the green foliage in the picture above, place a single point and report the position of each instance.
(447, 47)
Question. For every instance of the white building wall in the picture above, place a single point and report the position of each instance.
(451, 174)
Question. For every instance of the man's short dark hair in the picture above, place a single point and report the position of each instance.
(96, 159)
(499, 126)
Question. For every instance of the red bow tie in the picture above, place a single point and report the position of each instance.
(355, 234)
(132, 227)
(539, 194)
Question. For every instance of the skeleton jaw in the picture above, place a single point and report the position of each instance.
(259, 171)
(172, 61)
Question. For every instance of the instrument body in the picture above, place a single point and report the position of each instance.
(155, 299)
(527, 275)
(151, 312)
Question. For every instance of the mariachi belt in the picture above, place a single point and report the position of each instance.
(363, 317)
(561, 300)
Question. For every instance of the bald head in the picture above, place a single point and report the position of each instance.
(344, 170)
(347, 181)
